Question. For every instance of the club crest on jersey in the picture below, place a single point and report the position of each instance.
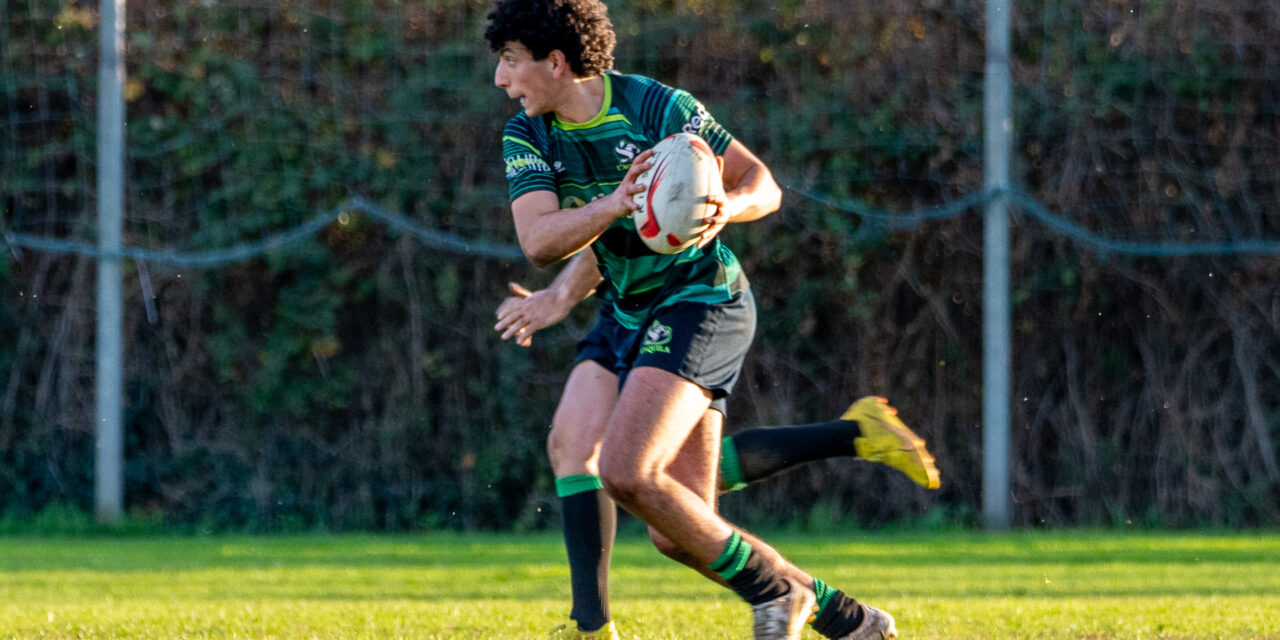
(656, 339)
(626, 151)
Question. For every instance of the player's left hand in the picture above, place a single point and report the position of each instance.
(715, 222)
(722, 215)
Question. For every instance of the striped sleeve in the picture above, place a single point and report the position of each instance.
(685, 113)
(525, 157)
(665, 111)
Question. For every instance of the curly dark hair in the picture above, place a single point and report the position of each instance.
(579, 28)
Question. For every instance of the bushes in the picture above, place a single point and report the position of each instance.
(352, 381)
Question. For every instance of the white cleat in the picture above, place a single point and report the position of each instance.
(876, 625)
(783, 618)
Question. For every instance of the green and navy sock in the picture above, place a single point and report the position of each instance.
(759, 452)
(730, 468)
(590, 523)
(747, 574)
(838, 614)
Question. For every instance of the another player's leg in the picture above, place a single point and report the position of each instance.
(868, 429)
(589, 515)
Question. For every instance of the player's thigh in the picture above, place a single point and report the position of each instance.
(697, 462)
(578, 425)
(656, 412)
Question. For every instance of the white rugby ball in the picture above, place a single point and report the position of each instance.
(674, 201)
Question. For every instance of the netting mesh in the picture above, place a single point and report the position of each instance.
(1141, 121)
(1154, 121)
(250, 117)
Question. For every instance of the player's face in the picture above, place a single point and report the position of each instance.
(525, 79)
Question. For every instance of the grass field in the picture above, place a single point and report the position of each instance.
(958, 585)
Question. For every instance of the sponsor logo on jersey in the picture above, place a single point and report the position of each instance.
(656, 339)
(518, 164)
(694, 125)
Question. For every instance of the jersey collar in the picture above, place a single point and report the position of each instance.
(606, 102)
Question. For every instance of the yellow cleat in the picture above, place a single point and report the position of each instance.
(570, 631)
(887, 440)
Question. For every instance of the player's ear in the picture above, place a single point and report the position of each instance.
(559, 63)
(720, 164)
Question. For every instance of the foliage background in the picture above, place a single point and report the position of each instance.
(353, 382)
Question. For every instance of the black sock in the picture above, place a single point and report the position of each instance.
(766, 451)
(590, 523)
(839, 616)
(747, 574)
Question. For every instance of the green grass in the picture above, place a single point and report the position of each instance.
(1091, 586)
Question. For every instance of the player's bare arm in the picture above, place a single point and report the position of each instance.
(750, 191)
(549, 234)
(526, 312)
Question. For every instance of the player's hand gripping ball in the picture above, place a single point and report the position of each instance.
(674, 203)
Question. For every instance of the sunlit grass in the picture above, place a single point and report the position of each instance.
(955, 586)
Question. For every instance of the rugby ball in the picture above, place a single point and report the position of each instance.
(674, 201)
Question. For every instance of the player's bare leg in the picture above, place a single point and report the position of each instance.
(656, 414)
(586, 403)
(695, 468)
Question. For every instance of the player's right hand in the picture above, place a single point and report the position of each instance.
(526, 312)
(628, 188)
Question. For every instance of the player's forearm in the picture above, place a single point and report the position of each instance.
(549, 237)
(578, 280)
(749, 186)
(557, 235)
(755, 196)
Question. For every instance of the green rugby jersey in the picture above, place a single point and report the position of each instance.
(584, 161)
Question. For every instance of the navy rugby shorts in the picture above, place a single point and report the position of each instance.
(705, 344)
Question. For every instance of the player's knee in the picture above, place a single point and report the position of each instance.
(568, 449)
(556, 445)
(622, 479)
(620, 486)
